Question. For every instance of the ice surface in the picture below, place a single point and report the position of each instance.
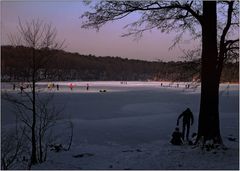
(129, 126)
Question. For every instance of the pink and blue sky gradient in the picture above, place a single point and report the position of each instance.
(65, 16)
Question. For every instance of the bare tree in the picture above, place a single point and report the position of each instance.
(47, 116)
(195, 17)
(40, 39)
(71, 135)
(12, 146)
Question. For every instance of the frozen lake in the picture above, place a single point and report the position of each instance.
(131, 114)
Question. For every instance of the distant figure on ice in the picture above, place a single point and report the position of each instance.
(87, 86)
(176, 137)
(49, 86)
(21, 88)
(14, 86)
(57, 87)
(187, 119)
(71, 86)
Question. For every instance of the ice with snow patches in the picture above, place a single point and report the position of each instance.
(129, 126)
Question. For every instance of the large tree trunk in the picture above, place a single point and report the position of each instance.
(209, 125)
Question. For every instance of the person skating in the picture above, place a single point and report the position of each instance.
(87, 87)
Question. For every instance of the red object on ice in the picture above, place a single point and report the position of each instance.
(71, 86)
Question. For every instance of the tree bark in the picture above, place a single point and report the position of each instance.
(34, 145)
(40, 146)
(208, 123)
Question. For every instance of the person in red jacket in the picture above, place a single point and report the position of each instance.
(71, 86)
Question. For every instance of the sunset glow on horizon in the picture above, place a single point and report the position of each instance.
(66, 17)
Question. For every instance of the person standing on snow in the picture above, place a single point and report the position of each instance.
(188, 119)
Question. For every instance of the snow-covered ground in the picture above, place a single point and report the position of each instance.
(129, 126)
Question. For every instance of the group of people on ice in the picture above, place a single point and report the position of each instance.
(187, 86)
(187, 120)
(52, 85)
(71, 86)
(21, 86)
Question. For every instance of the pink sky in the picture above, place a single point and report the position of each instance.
(107, 42)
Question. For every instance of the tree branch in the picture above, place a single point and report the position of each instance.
(222, 50)
(114, 10)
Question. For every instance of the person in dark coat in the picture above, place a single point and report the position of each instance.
(87, 87)
(188, 119)
(21, 89)
(177, 137)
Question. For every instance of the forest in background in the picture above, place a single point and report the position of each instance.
(64, 66)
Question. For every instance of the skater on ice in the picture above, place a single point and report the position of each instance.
(87, 86)
(48, 86)
(71, 86)
(21, 87)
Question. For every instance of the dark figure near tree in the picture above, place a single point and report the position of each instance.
(177, 137)
(188, 119)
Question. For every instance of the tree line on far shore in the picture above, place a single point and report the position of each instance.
(73, 66)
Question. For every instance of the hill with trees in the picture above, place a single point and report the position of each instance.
(73, 66)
